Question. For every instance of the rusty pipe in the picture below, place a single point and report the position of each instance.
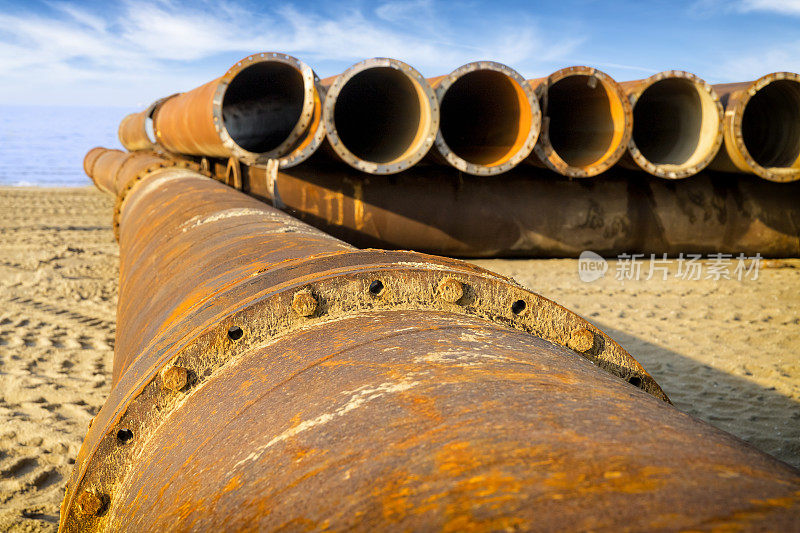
(762, 127)
(380, 115)
(586, 122)
(276, 378)
(489, 118)
(677, 124)
(529, 212)
(258, 110)
(136, 130)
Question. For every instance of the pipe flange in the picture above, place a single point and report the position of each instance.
(733, 129)
(544, 149)
(404, 282)
(674, 171)
(527, 144)
(426, 137)
(299, 128)
(313, 136)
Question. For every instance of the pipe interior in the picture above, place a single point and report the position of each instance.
(378, 114)
(149, 130)
(675, 122)
(481, 117)
(771, 125)
(581, 120)
(262, 105)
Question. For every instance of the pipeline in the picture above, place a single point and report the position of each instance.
(136, 131)
(489, 118)
(262, 108)
(530, 212)
(677, 124)
(762, 127)
(269, 376)
(586, 124)
(380, 115)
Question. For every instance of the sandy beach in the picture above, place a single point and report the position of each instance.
(725, 351)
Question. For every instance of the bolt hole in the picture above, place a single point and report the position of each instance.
(376, 287)
(124, 435)
(518, 307)
(635, 381)
(235, 333)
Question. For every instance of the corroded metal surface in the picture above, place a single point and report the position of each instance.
(762, 127)
(677, 123)
(268, 376)
(529, 212)
(489, 118)
(586, 122)
(260, 108)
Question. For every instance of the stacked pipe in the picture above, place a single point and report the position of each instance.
(382, 117)
(268, 376)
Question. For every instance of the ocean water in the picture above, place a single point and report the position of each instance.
(44, 145)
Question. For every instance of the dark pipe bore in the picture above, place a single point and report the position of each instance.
(377, 114)
(480, 117)
(771, 124)
(668, 122)
(581, 124)
(262, 105)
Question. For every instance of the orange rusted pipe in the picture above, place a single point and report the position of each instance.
(380, 116)
(268, 376)
(136, 130)
(586, 122)
(489, 118)
(260, 109)
(677, 124)
(762, 127)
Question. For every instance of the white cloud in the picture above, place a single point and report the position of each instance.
(162, 45)
(787, 7)
(743, 67)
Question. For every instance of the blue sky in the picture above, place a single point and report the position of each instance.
(132, 52)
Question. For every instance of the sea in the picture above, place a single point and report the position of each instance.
(44, 146)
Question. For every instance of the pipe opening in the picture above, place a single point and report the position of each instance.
(481, 118)
(584, 120)
(675, 122)
(262, 105)
(378, 115)
(771, 125)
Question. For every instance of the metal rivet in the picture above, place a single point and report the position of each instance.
(89, 503)
(582, 340)
(174, 378)
(304, 303)
(450, 290)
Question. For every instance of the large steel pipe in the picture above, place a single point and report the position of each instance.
(268, 376)
(586, 121)
(529, 212)
(677, 124)
(489, 118)
(258, 110)
(762, 127)
(381, 116)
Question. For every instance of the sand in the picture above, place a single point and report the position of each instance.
(725, 351)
